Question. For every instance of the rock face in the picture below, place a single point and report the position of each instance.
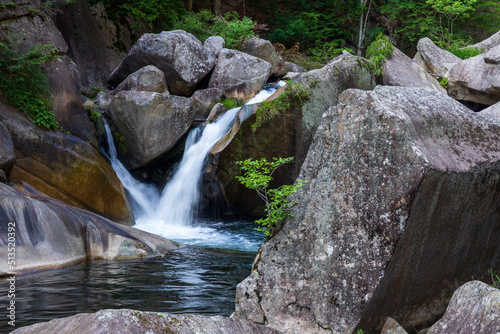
(151, 123)
(291, 67)
(239, 75)
(7, 155)
(476, 80)
(214, 44)
(493, 111)
(204, 100)
(263, 49)
(437, 60)
(147, 79)
(493, 56)
(289, 133)
(131, 322)
(65, 167)
(18, 8)
(52, 234)
(474, 308)
(400, 70)
(392, 327)
(488, 43)
(177, 53)
(401, 181)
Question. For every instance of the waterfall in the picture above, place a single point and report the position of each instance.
(175, 207)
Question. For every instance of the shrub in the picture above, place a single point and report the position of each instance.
(495, 277)
(231, 103)
(379, 51)
(461, 49)
(23, 83)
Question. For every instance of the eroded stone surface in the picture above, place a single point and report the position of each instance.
(437, 61)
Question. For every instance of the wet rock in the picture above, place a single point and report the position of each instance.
(204, 100)
(214, 44)
(291, 67)
(392, 327)
(437, 61)
(401, 181)
(126, 321)
(216, 111)
(180, 55)
(7, 155)
(400, 70)
(151, 123)
(263, 49)
(52, 234)
(493, 111)
(65, 167)
(475, 80)
(239, 75)
(474, 308)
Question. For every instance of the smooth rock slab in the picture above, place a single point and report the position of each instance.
(402, 199)
(437, 60)
(126, 321)
(474, 308)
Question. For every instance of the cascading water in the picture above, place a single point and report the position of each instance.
(171, 213)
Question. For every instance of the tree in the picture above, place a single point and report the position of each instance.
(451, 10)
(363, 22)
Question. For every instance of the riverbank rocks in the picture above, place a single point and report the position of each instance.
(126, 321)
(204, 100)
(493, 111)
(400, 70)
(214, 44)
(264, 50)
(52, 234)
(151, 123)
(401, 181)
(146, 79)
(474, 308)
(239, 75)
(391, 326)
(434, 59)
(291, 67)
(65, 167)
(7, 155)
(492, 56)
(476, 80)
(179, 54)
(488, 43)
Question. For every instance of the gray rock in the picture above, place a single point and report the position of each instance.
(214, 44)
(151, 123)
(102, 101)
(291, 67)
(7, 155)
(392, 327)
(52, 234)
(493, 56)
(493, 111)
(398, 180)
(147, 79)
(217, 110)
(488, 43)
(400, 70)
(239, 75)
(437, 60)
(17, 8)
(475, 80)
(126, 321)
(177, 53)
(204, 100)
(474, 308)
(263, 49)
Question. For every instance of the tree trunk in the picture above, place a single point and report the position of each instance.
(216, 7)
(190, 5)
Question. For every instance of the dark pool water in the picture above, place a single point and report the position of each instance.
(193, 279)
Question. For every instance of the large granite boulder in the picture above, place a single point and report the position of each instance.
(493, 111)
(401, 70)
(150, 122)
(488, 43)
(474, 79)
(289, 132)
(474, 308)
(65, 167)
(434, 59)
(402, 181)
(126, 321)
(7, 155)
(214, 44)
(204, 100)
(263, 49)
(239, 75)
(177, 53)
(492, 56)
(291, 67)
(51, 234)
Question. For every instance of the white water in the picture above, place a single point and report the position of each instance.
(172, 213)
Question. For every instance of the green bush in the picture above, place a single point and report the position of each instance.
(23, 83)
(231, 103)
(495, 277)
(459, 48)
(379, 51)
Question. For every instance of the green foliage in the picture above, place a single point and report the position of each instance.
(8, 5)
(323, 52)
(231, 103)
(230, 27)
(495, 277)
(23, 83)
(257, 176)
(379, 51)
(94, 116)
(460, 49)
(444, 83)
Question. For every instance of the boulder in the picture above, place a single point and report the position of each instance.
(177, 53)
(493, 56)
(204, 100)
(437, 61)
(400, 70)
(291, 67)
(290, 131)
(392, 327)
(7, 155)
(126, 321)
(52, 234)
(239, 75)
(401, 181)
(216, 111)
(263, 49)
(65, 167)
(146, 79)
(18, 8)
(214, 44)
(474, 308)
(475, 80)
(493, 111)
(150, 122)
(488, 43)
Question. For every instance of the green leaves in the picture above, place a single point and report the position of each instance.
(257, 174)
(379, 51)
